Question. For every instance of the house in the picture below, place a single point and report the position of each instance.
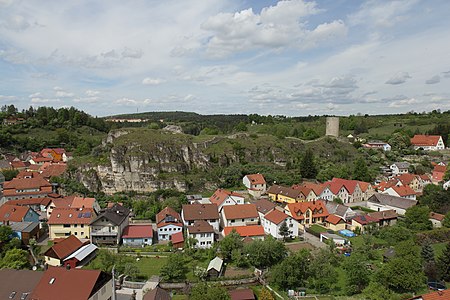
(378, 145)
(411, 180)
(56, 254)
(342, 211)
(436, 219)
(255, 184)
(335, 222)
(39, 160)
(380, 202)
(264, 206)
(23, 188)
(177, 240)
(168, 222)
(67, 156)
(306, 193)
(18, 284)
(137, 235)
(39, 205)
(56, 154)
(215, 267)
(251, 231)
(427, 142)
(194, 212)
(223, 198)
(73, 284)
(242, 294)
(203, 234)
(438, 173)
(273, 221)
(384, 217)
(19, 165)
(67, 221)
(53, 170)
(278, 193)
(10, 214)
(157, 294)
(81, 257)
(446, 185)
(437, 295)
(107, 228)
(240, 215)
(363, 222)
(338, 240)
(399, 168)
(350, 191)
(308, 213)
(401, 191)
(25, 231)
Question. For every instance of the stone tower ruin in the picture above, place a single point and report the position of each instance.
(332, 128)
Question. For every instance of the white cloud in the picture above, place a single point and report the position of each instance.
(433, 80)
(16, 23)
(92, 93)
(126, 101)
(152, 81)
(7, 98)
(403, 103)
(398, 78)
(38, 100)
(64, 94)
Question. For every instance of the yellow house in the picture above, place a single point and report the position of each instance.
(55, 254)
(70, 221)
(335, 223)
(283, 194)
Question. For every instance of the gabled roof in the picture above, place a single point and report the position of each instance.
(276, 216)
(403, 191)
(406, 178)
(137, 231)
(221, 195)
(241, 211)
(168, 211)
(393, 201)
(31, 201)
(264, 206)
(71, 216)
(54, 170)
(383, 215)
(200, 226)
(157, 294)
(256, 178)
(425, 140)
(285, 191)
(198, 211)
(215, 264)
(336, 208)
(244, 231)
(21, 282)
(317, 207)
(436, 216)
(116, 214)
(82, 202)
(438, 295)
(242, 294)
(333, 219)
(27, 183)
(64, 248)
(13, 213)
(82, 252)
(177, 237)
(402, 165)
(364, 219)
(73, 284)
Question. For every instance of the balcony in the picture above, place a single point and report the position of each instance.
(103, 233)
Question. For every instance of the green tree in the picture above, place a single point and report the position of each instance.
(15, 259)
(323, 273)
(360, 170)
(266, 294)
(266, 253)
(174, 268)
(284, 230)
(308, 167)
(5, 234)
(395, 234)
(376, 291)
(417, 218)
(436, 198)
(446, 221)
(230, 243)
(443, 263)
(357, 274)
(204, 291)
(427, 252)
(292, 272)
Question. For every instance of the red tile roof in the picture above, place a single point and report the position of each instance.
(241, 211)
(244, 231)
(73, 284)
(242, 294)
(364, 219)
(177, 237)
(383, 215)
(26, 183)
(256, 178)
(425, 140)
(81, 202)
(403, 191)
(138, 231)
(333, 219)
(13, 213)
(31, 201)
(317, 207)
(221, 195)
(64, 248)
(315, 187)
(54, 170)
(71, 216)
(198, 211)
(18, 164)
(436, 216)
(276, 216)
(438, 295)
(168, 211)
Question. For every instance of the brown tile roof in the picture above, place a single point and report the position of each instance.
(64, 248)
(256, 178)
(200, 226)
(425, 140)
(54, 170)
(157, 294)
(242, 294)
(73, 284)
(333, 219)
(19, 281)
(71, 216)
(81, 202)
(31, 201)
(317, 207)
(177, 237)
(244, 231)
(276, 216)
(13, 213)
(285, 191)
(436, 216)
(221, 195)
(438, 295)
(241, 211)
(197, 211)
(364, 219)
(137, 231)
(27, 183)
(168, 211)
(383, 215)
(264, 206)
(18, 164)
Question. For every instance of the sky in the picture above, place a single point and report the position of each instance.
(292, 57)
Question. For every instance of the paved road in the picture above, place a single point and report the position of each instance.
(313, 240)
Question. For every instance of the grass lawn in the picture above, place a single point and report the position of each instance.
(150, 266)
(317, 228)
(180, 297)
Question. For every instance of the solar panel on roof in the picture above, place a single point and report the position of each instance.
(87, 214)
(80, 215)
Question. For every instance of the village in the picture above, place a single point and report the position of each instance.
(309, 215)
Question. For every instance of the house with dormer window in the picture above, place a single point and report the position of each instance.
(223, 198)
(108, 227)
(168, 222)
(308, 213)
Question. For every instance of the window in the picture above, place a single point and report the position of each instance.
(82, 232)
(75, 226)
(82, 225)
(76, 233)
(66, 225)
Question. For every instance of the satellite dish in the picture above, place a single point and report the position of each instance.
(34, 268)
